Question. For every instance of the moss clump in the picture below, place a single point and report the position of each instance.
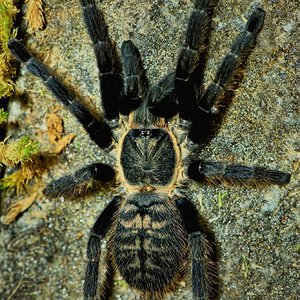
(25, 152)
(19, 179)
(8, 12)
(19, 151)
(3, 116)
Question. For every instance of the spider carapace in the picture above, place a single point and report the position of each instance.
(148, 157)
(156, 134)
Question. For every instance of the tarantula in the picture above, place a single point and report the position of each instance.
(155, 235)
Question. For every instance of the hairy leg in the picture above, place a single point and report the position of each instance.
(98, 232)
(161, 99)
(108, 63)
(192, 58)
(217, 172)
(228, 77)
(77, 184)
(178, 91)
(99, 131)
(201, 273)
(135, 81)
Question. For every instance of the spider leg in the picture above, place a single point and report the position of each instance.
(74, 185)
(97, 233)
(198, 249)
(218, 172)
(178, 91)
(228, 78)
(107, 287)
(99, 131)
(135, 81)
(161, 99)
(192, 58)
(107, 59)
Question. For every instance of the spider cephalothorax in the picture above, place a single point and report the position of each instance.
(144, 152)
(154, 232)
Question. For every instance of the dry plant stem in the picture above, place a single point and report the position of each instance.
(15, 209)
(35, 14)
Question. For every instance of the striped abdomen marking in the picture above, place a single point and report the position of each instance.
(149, 245)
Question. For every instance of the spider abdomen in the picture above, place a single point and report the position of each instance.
(149, 247)
(148, 157)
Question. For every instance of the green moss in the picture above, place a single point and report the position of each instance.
(245, 267)
(24, 152)
(25, 148)
(3, 116)
(19, 151)
(15, 180)
(8, 12)
(221, 196)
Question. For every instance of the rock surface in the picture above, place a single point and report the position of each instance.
(257, 230)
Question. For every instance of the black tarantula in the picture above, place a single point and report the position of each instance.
(154, 231)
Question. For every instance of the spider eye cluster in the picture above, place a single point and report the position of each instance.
(145, 133)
